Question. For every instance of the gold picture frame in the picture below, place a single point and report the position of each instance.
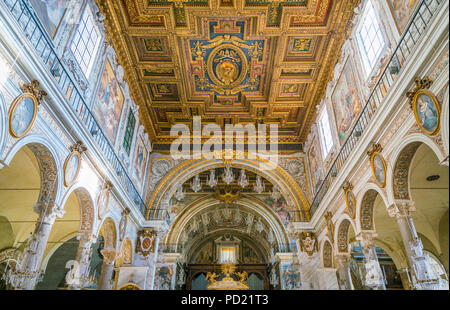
(67, 182)
(347, 202)
(101, 213)
(374, 170)
(435, 102)
(12, 110)
(330, 226)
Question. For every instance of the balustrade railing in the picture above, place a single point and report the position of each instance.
(416, 27)
(23, 13)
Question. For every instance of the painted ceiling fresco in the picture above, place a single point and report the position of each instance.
(229, 61)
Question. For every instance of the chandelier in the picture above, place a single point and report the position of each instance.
(212, 180)
(196, 185)
(179, 194)
(275, 193)
(243, 181)
(259, 186)
(228, 176)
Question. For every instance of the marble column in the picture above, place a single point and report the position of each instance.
(309, 264)
(343, 270)
(83, 260)
(109, 257)
(27, 271)
(422, 275)
(327, 279)
(404, 276)
(374, 277)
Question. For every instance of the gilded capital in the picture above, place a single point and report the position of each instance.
(401, 208)
(109, 256)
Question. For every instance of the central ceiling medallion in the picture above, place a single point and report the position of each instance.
(227, 62)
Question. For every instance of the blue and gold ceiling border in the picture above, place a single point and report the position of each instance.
(275, 8)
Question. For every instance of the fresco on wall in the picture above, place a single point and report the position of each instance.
(402, 10)
(50, 13)
(280, 207)
(140, 160)
(291, 277)
(346, 101)
(108, 106)
(249, 255)
(205, 255)
(313, 158)
(164, 277)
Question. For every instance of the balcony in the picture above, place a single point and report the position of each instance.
(417, 26)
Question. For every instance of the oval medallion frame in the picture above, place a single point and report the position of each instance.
(383, 161)
(123, 227)
(101, 213)
(424, 92)
(213, 75)
(12, 110)
(67, 182)
(347, 202)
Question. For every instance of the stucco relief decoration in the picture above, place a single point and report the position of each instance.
(350, 199)
(123, 224)
(327, 255)
(367, 205)
(343, 236)
(72, 163)
(146, 242)
(296, 168)
(330, 225)
(49, 174)
(401, 170)
(426, 107)
(308, 242)
(159, 168)
(24, 109)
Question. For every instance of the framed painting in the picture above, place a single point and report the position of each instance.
(427, 111)
(50, 13)
(72, 168)
(350, 201)
(379, 167)
(22, 115)
(140, 160)
(109, 103)
(346, 100)
(123, 227)
(402, 10)
(330, 226)
(314, 165)
(103, 203)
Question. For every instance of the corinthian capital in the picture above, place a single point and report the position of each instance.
(109, 255)
(367, 239)
(342, 260)
(401, 208)
(48, 211)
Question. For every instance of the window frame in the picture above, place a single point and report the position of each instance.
(325, 151)
(369, 67)
(80, 36)
(129, 132)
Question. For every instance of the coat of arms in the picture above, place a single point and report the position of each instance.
(146, 242)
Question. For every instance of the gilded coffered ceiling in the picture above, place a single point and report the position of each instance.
(228, 61)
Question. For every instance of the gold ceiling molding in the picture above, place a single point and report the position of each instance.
(153, 44)
(280, 177)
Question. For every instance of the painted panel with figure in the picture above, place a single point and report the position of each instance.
(140, 160)
(109, 103)
(402, 10)
(314, 165)
(50, 13)
(280, 207)
(346, 100)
